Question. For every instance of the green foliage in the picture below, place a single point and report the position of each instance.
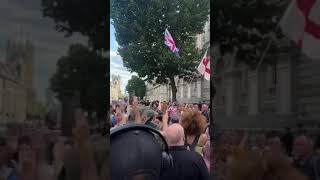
(82, 70)
(137, 85)
(140, 27)
(79, 16)
(247, 26)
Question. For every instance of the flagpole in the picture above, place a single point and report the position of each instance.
(270, 40)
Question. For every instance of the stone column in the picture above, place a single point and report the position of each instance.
(232, 83)
(199, 87)
(253, 92)
(284, 88)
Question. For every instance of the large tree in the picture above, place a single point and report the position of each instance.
(247, 26)
(140, 27)
(86, 17)
(136, 85)
(82, 70)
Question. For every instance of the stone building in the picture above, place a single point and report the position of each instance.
(274, 96)
(115, 91)
(187, 92)
(16, 81)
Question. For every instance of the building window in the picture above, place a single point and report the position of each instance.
(195, 87)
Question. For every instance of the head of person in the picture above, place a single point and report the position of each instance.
(196, 106)
(274, 143)
(302, 146)
(142, 162)
(175, 135)
(147, 114)
(193, 122)
(204, 108)
(260, 140)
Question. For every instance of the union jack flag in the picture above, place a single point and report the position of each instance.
(170, 43)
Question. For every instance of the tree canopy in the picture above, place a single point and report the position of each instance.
(82, 70)
(140, 27)
(86, 17)
(136, 85)
(247, 26)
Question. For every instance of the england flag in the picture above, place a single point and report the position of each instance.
(204, 67)
(170, 43)
(301, 23)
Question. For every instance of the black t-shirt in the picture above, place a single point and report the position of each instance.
(187, 165)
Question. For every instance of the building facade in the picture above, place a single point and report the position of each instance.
(198, 90)
(16, 81)
(276, 95)
(115, 91)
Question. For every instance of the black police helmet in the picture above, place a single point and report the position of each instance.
(134, 154)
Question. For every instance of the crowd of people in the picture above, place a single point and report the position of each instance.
(29, 153)
(270, 155)
(185, 128)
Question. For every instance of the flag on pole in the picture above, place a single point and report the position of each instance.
(170, 43)
(301, 23)
(204, 67)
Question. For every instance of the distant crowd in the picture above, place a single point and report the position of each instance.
(185, 128)
(281, 155)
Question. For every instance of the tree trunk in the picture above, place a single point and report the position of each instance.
(66, 124)
(174, 89)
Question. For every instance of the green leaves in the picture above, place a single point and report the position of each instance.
(136, 85)
(82, 70)
(79, 16)
(245, 26)
(140, 29)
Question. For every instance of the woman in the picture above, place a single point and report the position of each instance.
(194, 124)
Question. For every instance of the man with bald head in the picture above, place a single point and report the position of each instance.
(305, 160)
(187, 165)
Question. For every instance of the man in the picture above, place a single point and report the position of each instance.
(188, 165)
(287, 140)
(204, 110)
(274, 144)
(304, 159)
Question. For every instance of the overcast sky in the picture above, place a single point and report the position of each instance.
(49, 44)
(116, 63)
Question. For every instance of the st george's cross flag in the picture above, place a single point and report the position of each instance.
(301, 23)
(170, 43)
(204, 67)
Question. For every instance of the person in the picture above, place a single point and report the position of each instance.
(207, 154)
(287, 140)
(188, 165)
(194, 125)
(304, 159)
(274, 144)
(205, 112)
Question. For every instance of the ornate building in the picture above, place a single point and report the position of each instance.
(274, 96)
(115, 91)
(187, 92)
(16, 81)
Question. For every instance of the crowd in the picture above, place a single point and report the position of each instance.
(28, 153)
(270, 155)
(185, 128)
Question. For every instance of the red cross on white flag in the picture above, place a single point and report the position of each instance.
(301, 23)
(204, 67)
